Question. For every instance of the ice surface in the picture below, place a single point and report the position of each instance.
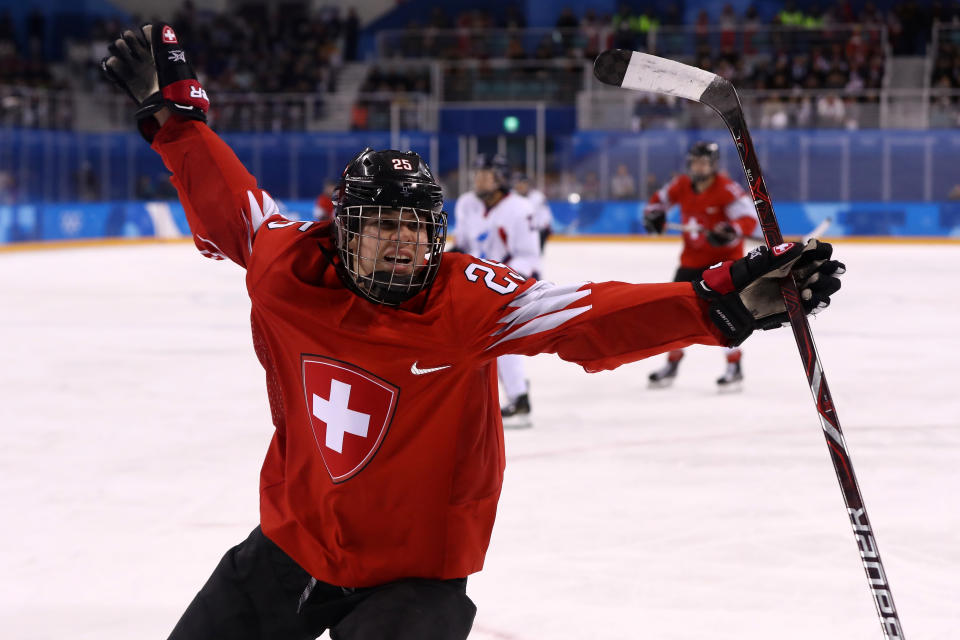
(133, 421)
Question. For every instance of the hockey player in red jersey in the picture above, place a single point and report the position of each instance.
(323, 205)
(380, 485)
(717, 214)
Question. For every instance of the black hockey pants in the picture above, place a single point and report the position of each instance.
(258, 592)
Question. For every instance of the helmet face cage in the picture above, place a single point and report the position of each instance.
(390, 254)
(710, 150)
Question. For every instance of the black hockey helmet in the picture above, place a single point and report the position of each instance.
(391, 226)
(496, 163)
(704, 149)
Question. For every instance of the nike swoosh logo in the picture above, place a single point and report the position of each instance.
(419, 372)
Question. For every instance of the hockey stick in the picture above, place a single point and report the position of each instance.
(642, 72)
(693, 227)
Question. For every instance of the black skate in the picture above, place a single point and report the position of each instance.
(516, 415)
(664, 376)
(732, 379)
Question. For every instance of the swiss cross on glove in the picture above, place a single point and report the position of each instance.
(150, 65)
(745, 295)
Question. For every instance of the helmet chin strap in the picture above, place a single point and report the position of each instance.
(390, 288)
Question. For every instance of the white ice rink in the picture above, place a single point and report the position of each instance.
(133, 421)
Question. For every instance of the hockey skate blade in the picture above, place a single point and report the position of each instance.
(730, 387)
(662, 383)
(518, 422)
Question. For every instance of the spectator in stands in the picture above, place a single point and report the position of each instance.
(651, 184)
(728, 27)
(515, 50)
(830, 111)
(567, 19)
(359, 116)
(590, 189)
(8, 187)
(851, 111)
(514, 18)
(622, 185)
(7, 32)
(774, 114)
(751, 24)
(87, 183)
(144, 189)
(591, 28)
(351, 35)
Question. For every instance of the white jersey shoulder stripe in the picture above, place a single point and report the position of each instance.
(541, 308)
(742, 207)
(258, 214)
(216, 253)
(544, 323)
(540, 299)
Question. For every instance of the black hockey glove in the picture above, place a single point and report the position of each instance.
(149, 64)
(723, 234)
(745, 295)
(654, 218)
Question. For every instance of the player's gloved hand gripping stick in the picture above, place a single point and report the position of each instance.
(643, 72)
(150, 65)
(745, 294)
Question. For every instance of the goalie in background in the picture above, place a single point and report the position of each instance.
(717, 214)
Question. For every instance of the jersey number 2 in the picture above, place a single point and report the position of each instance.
(489, 278)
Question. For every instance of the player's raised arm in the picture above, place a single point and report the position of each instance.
(223, 204)
(603, 325)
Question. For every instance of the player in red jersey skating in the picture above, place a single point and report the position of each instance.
(380, 485)
(717, 214)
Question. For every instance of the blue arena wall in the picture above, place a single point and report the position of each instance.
(166, 219)
(799, 165)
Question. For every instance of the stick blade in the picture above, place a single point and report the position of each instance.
(611, 65)
(643, 72)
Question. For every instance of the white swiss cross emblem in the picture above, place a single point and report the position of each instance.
(781, 249)
(350, 412)
(169, 37)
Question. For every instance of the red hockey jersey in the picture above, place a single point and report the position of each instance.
(387, 457)
(724, 200)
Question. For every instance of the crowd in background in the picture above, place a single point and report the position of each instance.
(836, 49)
(252, 48)
(23, 72)
(261, 48)
(468, 33)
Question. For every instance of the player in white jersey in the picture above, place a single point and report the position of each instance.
(494, 224)
(542, 216)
